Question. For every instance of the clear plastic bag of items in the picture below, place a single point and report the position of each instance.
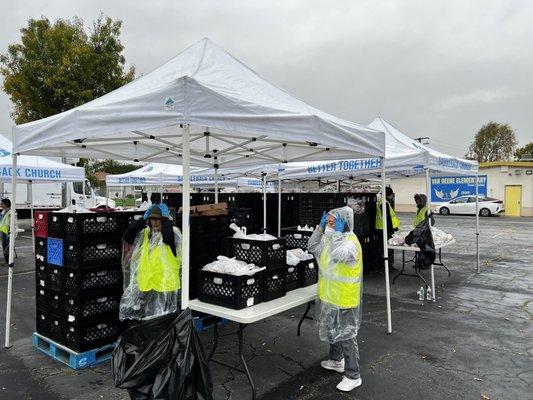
(294, 256)
(357, 205)
(152, 276)
(231, 266)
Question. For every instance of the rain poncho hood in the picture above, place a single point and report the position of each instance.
(340, 263)
(421, 200)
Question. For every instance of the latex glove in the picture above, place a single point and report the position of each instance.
(147, 212)
(165, 212)
(339, 224)
(324, 220)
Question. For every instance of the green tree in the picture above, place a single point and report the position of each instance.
(493, 142)
(110, 166)
(58, 66)
(522, 151)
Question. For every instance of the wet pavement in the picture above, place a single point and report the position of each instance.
(475, 341)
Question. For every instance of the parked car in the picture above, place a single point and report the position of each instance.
(467, 205)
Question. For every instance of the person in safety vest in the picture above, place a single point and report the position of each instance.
(422, 211)
(5, 226)
(393, 224)
(151, 266)
(340, 288)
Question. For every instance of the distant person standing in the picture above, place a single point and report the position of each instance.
(393, 223)
(5, 226)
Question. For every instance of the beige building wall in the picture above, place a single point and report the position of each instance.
(516, 173)
(499, 174)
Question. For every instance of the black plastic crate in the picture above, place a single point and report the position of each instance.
(308, 270)
(48, 300)
(90, 304)
(296, 239)
(74, 280)
(42, 323)
(79, 226)
(236, 292)
(42, 275)
(259, 252)
(275, 285)
(90, 252)
(129, 217)
(79, 336)
(55, 225)
(54, 276)
(292, 279)
(41, 245)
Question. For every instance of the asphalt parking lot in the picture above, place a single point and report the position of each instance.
(475, 341)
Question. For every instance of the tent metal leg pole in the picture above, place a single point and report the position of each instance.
(264, 203)
(106, 195)
(7, 343)
(478, 266)
(186, 200)
(279, 206)
(385, 247)
(216, 185)
(428, 190)
(30, 195)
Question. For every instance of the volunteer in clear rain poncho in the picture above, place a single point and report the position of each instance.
(340, 261)
(151, 266)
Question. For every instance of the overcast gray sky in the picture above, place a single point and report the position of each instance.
(432, 68)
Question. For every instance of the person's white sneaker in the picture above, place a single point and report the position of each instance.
(347, 384)
(333, 365)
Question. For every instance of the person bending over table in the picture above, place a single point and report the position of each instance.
(340, 262)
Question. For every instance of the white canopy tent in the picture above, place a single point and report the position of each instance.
(204, 108)
(34, 169)
(158, 174)
(403, 157)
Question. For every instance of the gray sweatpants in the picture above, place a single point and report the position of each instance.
(350, 351)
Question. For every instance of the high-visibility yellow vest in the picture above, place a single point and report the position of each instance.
(340, 284)
(157, 271)
(420, 216)
(5, 222)
(379, 217)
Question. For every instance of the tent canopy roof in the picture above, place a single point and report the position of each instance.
(36, 169)
(403, 157)
(237, 119)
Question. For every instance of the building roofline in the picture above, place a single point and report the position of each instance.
(526, 164)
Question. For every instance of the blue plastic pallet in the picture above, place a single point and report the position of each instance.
(70, 357)
(203, 323)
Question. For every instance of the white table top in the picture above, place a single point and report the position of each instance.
(416, 248)
(292, 299)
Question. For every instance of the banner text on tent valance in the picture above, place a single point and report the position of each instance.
(345, 165)
(454, 163)
(32, 173)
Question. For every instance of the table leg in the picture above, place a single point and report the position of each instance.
(304, 317)
(215, 339)
(241, 355)
(433, 292)
(403, 267)
(442, 264)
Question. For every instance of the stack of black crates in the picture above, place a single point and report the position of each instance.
(79, 277)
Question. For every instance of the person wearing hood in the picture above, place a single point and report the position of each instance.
(340, 263)
(151, 266)
(393, 223)
(422, 211)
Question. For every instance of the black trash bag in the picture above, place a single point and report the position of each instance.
(162, 359)
(422, 236)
